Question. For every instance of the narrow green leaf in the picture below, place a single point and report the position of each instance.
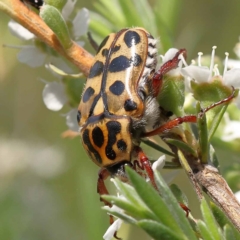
(136, 211)
(209, 220)
(203, 136)
(158, 231)
(228, 233)
(152, 199)
(121, 215)
(182, 145)
(205, 232)
(180, 196)
(222, 219)
(143, 8)
(129, 193)
(216, 122)
(157, 147)
(104, 7)
(176, 211)
(131, 16)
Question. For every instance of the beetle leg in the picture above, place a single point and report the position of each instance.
(145, 165)
(103, 174)
(191, 118)
(185, 208)
(165, 68)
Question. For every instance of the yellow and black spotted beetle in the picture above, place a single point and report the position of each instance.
(119, 106)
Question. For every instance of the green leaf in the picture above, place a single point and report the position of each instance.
(137, 212)
(59, 4)
(152, 199)
(205, 232)
(222, 219)
(210, 220)
(157, 147)
(203, 136)
(172, 94)
(144, 8)
(129, 193)
(104, 7)
(176, 211)
(228, 233)
(181, 145)
(179, 195)
(131, 15)
(158, 231)
(120, 215)
(53, 18)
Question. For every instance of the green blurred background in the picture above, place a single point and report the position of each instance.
(48, 184)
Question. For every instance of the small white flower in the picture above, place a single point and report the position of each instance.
(202, 74)
(19, 31)
(80, 23)
(113, 227)
(54, 96)
(159, 164)
(31, 56)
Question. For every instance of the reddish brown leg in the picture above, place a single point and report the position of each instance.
(145, 165)
(103, 174)
(165, 68)
(191, 118)
(185, 208)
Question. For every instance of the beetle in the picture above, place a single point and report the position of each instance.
(118, 106)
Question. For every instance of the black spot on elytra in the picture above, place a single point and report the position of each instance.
(97, 136)
(88, 94)
(119, 64)
(114, 128)
(117, 88)
(105, 51)
(96, 69)
(116, 48)
(136, 60)
(102, 44)
(130, 105)
(78, 116)
(131, 38)
(122, 146)
(91, 149)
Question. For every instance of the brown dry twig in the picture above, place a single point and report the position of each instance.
(31, 21)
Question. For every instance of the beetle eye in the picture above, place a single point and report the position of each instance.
(78, 116)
